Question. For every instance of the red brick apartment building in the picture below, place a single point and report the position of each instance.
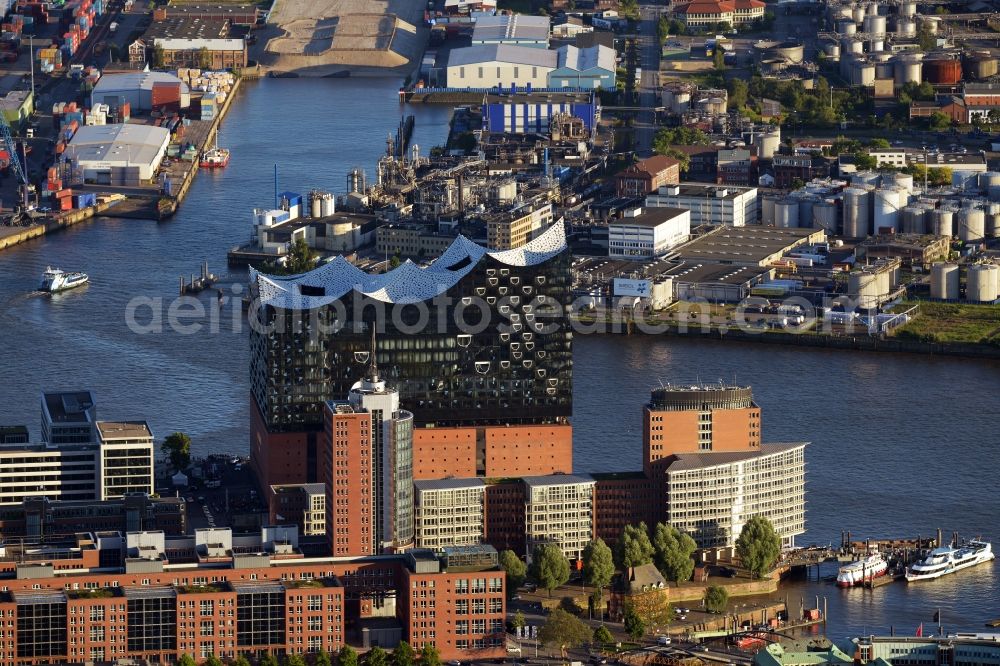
(231, 603)
(647, 175)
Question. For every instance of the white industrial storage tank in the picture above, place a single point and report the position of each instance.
(875, 25)
(908, 68)
(863, 286)
(847, 27)
(943, 222)
(989, 179)
(888, 202)
(885, 68)
(806, 204)
(913, 220)
(786, 213)
(944, 281)
(859, 13)
(982, 283)
(825, 216)
(767, 209)
(970, 224)
(908, 8)
(857, 213)
(906, 27)
(899, 179)
(865, 178)
(876, 45)
(767, 143)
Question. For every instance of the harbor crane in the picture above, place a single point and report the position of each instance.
(15, 161)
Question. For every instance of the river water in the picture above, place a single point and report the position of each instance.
(900, 445)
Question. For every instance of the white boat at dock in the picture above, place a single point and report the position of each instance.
(949, 559)
(54, 280)
(862, 571)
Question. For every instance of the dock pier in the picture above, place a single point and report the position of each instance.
(200, 283)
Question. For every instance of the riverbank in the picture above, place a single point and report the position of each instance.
(807, 339)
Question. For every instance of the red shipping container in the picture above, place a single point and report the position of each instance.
(66, 203)
(55, 185)
(64, 193)
(166, 93)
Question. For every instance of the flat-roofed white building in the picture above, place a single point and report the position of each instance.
(503, 65)
(647, 232)
(449, 512)
(559, 509)
(119, 154)
(711, 496)
(136, 88)
(709, 204)
(517, 29)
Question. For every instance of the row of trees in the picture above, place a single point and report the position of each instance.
(403, 655)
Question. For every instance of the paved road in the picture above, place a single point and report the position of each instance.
(649, 60)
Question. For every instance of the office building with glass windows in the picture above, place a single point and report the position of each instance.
(477, 344)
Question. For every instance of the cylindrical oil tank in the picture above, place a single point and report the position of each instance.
(875, 25)
(871, 9)
(970, 224)
(847, 27)
(907, 68)
(979, 65)
(930, 24)
(857, 213)
(908, 8)
(906, 27)
(767, 143)
(876, 45)
(315, 205)
(942, 69)
(786, 213)
(865, 178)
(884, 279)
(832, 50)
(859, 13)
(944, 281)
(681, 101)
(806, 204)
(825, 217)
(942, 222)
(992, 225)
(853, 45)
(863, 286)
(982, 283)
(767, 209)
(899, 179)
(328, 204)
(989, 179)
(888, 202)
(884, 68)
(914, 220)
(862, 73)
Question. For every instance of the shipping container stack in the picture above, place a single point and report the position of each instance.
(98, 115)
(50, 59)
(10, 37)
(64, 200)
(84, 200)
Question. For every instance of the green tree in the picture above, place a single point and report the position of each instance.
(177, 447)
(865, 162)
(268, 660)
(879, 143)
(518, 621)
(758, 546)
(403, 655)
(716, 599)
(347, 656)
(322, 658)
(683, 158)
(718, 58)
(603, 636)
(241, 661)
(158, 57)
(394, 261)
(634, 548)
(939, 176)
(634, 626)
(739, 91)
(204, 58)
(926, 39)
(516, 570)
(939, 121)
(300, 259)
(629, 9)
(186, 660)
(683, 136)
(549, 567)
(673, 553)
(563, 630)
(294, 660)
(212, 660)
(598, 563)
(429, 656)
(376, 657)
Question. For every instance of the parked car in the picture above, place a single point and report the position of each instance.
(663, 640)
